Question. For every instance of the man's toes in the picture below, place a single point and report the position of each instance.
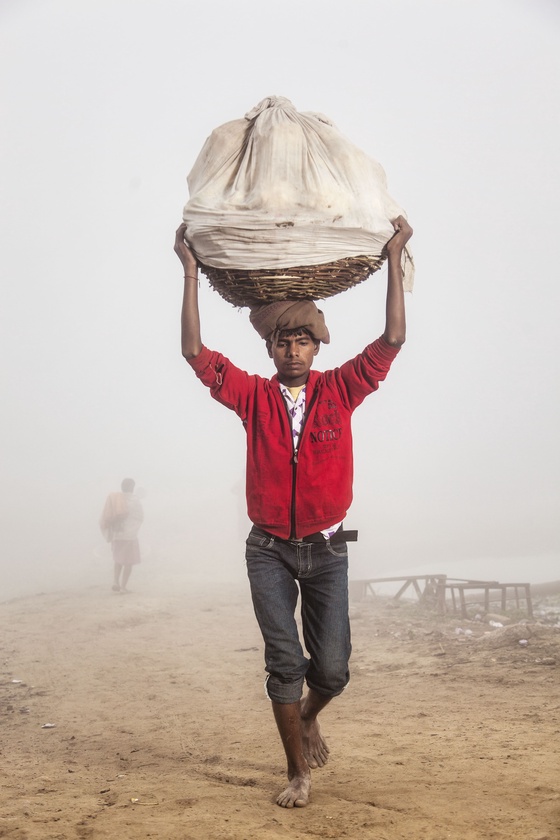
(296, 795)
(317, 756)
(287, 800)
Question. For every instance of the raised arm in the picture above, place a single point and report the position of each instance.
(191, 342)
(395, 320)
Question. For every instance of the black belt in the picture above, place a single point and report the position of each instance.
(318, 537)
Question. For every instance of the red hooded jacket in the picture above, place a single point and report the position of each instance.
(296, 494)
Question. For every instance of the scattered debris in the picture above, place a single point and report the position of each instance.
(520, 634)
(147, 799)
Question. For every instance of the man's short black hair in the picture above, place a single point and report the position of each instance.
(296, 331)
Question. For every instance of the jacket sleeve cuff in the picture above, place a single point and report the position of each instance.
(200, 362)
(386, 351)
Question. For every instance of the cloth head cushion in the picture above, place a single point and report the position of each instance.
(272, 318)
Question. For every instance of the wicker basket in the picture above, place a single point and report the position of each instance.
(253, 287)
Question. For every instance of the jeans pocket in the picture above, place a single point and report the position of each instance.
(259, 540)
(339, 549)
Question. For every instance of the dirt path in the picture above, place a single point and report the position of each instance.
(161, 728)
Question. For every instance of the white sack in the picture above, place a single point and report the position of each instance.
(279, 189)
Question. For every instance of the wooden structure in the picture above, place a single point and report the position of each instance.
(428, 588)
(433, 590)
(485, 592)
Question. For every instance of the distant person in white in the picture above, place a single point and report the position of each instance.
(120, 522)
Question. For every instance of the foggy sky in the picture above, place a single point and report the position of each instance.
(105, 107)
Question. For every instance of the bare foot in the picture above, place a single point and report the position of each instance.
(296, 794)
(315, 747)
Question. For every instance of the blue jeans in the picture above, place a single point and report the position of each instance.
(274, 568)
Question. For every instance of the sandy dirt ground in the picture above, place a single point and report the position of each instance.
(159, 727)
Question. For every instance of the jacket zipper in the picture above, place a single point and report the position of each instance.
(295, 463)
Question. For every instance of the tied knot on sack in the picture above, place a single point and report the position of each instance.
(269, 102)
(282, 103)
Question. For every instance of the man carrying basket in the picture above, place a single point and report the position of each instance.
(299, 488)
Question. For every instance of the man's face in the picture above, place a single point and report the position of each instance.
(293, 356)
